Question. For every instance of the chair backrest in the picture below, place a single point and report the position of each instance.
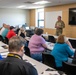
(51, 39)
(6, 40)
(1, 38)
(73, 42)
(48, 59)
(27, 51)
(69, 68)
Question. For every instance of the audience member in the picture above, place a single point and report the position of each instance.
(61, 51)
(11, 33)
(37, 45)
(22, 32)
(13, 64)
(3, 28)
(4, 33)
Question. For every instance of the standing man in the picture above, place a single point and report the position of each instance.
(13, 64)
(59, 26)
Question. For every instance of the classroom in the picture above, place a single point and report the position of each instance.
(37, 37)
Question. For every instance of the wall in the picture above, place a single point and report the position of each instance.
(69, 31)
(14, 16)
(32, 17)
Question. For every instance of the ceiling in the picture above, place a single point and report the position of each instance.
(28, 3)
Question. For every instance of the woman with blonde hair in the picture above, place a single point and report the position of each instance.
(61, 51)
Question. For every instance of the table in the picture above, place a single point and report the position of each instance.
(1, 43)
(46, 36)
(27, 38)
(1, 48)
(38, 65)
(50, 45)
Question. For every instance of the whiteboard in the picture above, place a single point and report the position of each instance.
(51, 18)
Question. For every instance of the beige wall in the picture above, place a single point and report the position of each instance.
(32, 17)
(68, 30)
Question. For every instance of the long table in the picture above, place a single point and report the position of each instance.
(38, 65)
(50, 45)
(41, 68)
(3, 49)
(46, 36)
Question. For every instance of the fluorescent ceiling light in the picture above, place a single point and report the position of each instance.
(41, 2)
(22, 6)
(35, 7)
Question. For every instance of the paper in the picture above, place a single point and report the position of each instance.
(50, 73)
(1, 48)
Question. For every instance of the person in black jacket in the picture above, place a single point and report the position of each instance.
(13, 64)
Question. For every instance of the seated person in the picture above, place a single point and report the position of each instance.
(3, 28)
(11, 33)
(16, 29)
(4, 33)
(37, 45)
(13, 64)
(61, 51)
(22, 32)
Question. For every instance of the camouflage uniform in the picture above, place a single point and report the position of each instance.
(61, 25)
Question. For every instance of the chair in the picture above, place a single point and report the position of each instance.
(51, 39)
(69, 68)
(48, 59)
(1, 38)
(6, 40)
(73, 42)
(27, 51)
(29, 33)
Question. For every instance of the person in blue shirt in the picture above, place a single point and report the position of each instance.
(4, 33)
(61, 51)
(1, 57)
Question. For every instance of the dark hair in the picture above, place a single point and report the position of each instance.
(39, 31)
(11, 27)
(15, 43)
(59, 16)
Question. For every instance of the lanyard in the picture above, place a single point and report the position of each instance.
(14, 55)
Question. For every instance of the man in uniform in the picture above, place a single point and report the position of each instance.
(59, 26)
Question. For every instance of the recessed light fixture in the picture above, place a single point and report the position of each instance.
(22, 6)
(41, 2)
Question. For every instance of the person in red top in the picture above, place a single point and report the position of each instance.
(11, 33)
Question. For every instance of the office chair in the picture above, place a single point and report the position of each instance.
(69, 68)
(73, 42)
(27, 51)
(51, 39)
(48, 59)
(6, 40)
(29, 33)
(1, 38)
